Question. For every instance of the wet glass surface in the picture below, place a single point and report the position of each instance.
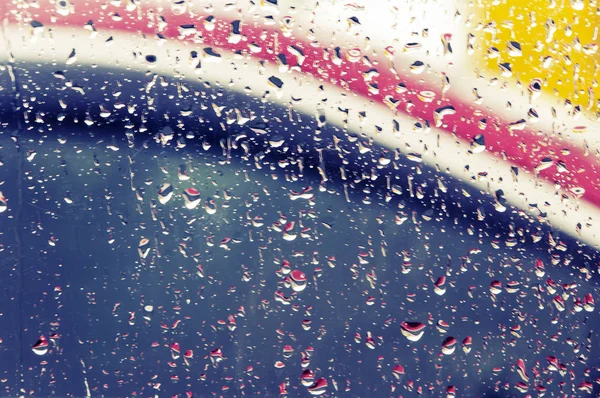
(169, 233)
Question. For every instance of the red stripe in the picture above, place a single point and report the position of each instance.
(523, 148)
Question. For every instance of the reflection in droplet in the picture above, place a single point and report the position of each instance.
(41, 346)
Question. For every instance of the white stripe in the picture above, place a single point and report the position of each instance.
(392, 23)
(451, 155)
(439, 16)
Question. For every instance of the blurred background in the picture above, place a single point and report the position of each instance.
(276, 198)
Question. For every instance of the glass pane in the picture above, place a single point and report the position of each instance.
(270, 198)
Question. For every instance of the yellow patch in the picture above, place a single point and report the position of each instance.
(558, 42)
